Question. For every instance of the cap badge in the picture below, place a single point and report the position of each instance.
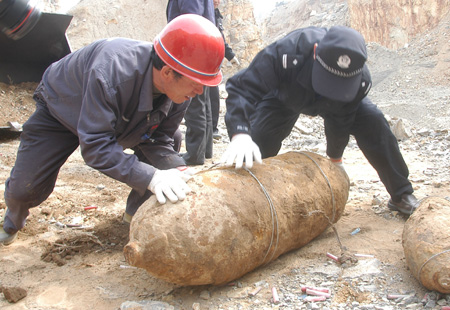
(344, 61)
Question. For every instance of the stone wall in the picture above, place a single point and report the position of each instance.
(295, 14)
(393, 23)
(242, 33)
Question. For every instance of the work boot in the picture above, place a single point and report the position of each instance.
(407, 205)
(6, 238)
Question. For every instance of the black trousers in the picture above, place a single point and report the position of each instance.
(272, 124)
(198, 138)
(215, 106)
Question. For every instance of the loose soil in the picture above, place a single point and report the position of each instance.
(69, 255)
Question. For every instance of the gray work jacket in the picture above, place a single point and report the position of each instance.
(103, 93)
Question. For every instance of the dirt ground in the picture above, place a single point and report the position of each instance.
(64, 267)
(69, 255)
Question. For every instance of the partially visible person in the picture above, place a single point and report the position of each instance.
(198, 118)
(314, 71)
(112, 95)
(214, 91)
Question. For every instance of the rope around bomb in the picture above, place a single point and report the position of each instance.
(427, 261)
(332, 201)
(274, 215)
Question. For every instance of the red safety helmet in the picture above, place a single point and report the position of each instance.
(193, 46)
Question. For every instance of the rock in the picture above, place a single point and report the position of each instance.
(400, 131)
(14, 294)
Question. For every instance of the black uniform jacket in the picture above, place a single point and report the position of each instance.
(281, 74)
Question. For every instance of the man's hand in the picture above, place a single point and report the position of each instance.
(171, 184)
(241, 147)
(235, 61)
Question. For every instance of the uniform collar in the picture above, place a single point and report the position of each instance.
(146, 95)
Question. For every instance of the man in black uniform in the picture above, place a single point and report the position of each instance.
(314, 71)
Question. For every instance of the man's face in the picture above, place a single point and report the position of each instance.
(182, 88)
(216, 3)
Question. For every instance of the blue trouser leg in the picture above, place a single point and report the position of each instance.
(44, 147)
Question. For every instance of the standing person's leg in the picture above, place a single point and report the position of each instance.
(197, 130)
(215, 110)
(209, 126)
(271, 126)
(380, 147)
(45, 146)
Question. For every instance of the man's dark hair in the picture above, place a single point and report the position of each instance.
(158, 64)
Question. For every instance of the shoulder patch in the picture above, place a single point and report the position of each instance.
(291, 61)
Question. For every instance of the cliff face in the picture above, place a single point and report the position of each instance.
(295, 14)
(393, 23)
(390, 23)
(97, 19)
(242, 33)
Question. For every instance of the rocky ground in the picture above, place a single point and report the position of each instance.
(69, 256)
(64, 266)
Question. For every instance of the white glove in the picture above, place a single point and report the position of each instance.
(235, 61)
(338, 163)
(171, 184)
(241, 147)
(190, 171)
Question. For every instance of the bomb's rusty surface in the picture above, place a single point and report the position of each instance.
(426, 243)
(228, 226)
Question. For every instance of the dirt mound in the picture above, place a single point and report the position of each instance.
(98, 19)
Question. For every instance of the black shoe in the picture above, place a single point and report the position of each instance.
(407, 205)
(216, 135)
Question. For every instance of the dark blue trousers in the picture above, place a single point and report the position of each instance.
(272, 124)
(45, 145)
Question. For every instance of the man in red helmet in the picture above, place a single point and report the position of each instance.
(112, 95)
